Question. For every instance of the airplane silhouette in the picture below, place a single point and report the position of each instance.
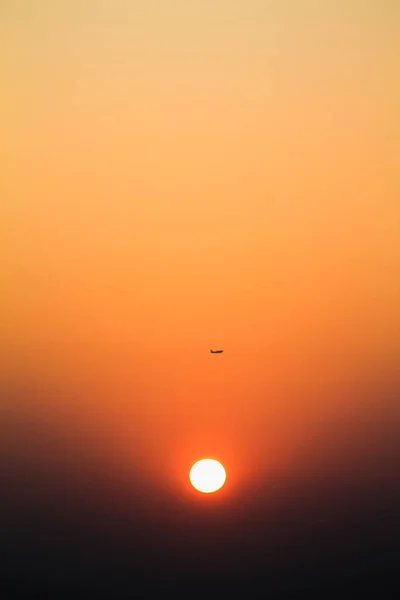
(216, 351)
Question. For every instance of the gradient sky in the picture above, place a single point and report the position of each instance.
(177, 176)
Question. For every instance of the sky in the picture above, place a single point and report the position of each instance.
(179, 176)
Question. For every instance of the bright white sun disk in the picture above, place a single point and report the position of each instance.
(207, 475)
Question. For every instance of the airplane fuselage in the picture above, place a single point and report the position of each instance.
(216, 351)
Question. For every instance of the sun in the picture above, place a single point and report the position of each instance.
(207, 475)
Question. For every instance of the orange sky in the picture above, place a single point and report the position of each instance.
(179, 176)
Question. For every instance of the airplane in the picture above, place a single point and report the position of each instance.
(216, 351)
